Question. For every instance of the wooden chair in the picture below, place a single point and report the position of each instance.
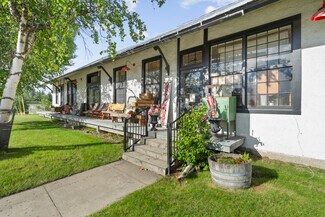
(116, 111)
(92, 109)
(97, 113)
(105, 113)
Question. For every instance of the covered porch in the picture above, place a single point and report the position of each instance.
(100, 125)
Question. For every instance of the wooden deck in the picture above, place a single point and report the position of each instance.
(98, 124)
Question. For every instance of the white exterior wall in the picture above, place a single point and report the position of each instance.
(296, 135)
(191, 40)
(291, 135)
(134, 75)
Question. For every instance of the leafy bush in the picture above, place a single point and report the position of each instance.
(191, 145)
(230, 160)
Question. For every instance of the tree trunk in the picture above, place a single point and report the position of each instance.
(24, 43)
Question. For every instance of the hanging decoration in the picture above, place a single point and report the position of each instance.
(320, 14)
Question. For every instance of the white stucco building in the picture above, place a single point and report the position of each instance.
(267, 53)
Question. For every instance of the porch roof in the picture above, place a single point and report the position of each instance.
(220, 15)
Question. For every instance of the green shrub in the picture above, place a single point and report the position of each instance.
(191, 146)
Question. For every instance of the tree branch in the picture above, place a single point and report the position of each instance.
(13, 10)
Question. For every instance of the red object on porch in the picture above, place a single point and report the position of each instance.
(125, 68)
(320, 14)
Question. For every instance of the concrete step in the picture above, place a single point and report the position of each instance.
(151, 151)
(155, 142)
(153, 164)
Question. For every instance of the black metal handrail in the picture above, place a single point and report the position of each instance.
(172, 137)
(134, 130)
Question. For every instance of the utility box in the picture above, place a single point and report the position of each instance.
(226, 108)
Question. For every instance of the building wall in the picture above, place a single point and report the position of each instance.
(191, 40)
(296, 135)
(291, 135)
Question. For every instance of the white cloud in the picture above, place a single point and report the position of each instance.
(218, 3)
(132, 4)
(209, 9)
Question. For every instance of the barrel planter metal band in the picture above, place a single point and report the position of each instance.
(230, 176)
(5, 128)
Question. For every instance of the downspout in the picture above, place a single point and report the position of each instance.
(164, 58)
(110, 79)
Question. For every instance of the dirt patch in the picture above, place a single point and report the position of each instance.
(109, 137)
(260, 188)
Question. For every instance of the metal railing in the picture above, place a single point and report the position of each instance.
(172, 137)
(135, 128)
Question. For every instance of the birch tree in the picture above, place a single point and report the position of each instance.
(35, 30)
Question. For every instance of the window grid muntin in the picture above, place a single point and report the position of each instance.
(192, 58)
(228, 55)
(252, 99)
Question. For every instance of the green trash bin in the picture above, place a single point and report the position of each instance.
(5, 128)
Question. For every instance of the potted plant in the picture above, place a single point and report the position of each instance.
(231, 171)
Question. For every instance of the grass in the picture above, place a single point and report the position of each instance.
(278, 189)
(40, 151)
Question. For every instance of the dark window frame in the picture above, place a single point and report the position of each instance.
(91, 85)
(295, 22)
(143, 86)
(71, 92)
(69, 84)
(57, 94)
(62, 94)
(190, 69)
(115, 70)
(188, 51)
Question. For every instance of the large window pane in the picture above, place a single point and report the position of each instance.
(269, 68)
(153, 75)
(192, 58)
(93, 89)
(227, 68)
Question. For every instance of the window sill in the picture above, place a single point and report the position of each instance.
(270, 111)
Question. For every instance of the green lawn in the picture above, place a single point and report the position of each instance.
(278, 189)
(41, 151)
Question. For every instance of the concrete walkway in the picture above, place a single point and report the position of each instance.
(79, 195)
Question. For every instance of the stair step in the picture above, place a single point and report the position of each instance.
(147, 162)
(151, 151)
(154, 142)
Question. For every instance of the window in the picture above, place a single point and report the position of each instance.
(269, 68)
(261, 67)
(152, 78)
(93, 89)
(227, 69)
(57, 93)
(120, 86)
(193, 58)
(62, 94)
(71, 92)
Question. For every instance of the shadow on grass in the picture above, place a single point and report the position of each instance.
(262, 175)
(36, 125)
(22, 152)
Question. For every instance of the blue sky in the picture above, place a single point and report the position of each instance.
(158, 20)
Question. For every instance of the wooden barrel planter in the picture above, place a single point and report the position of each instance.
(230, 176)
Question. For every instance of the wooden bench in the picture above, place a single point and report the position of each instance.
(115, 111)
